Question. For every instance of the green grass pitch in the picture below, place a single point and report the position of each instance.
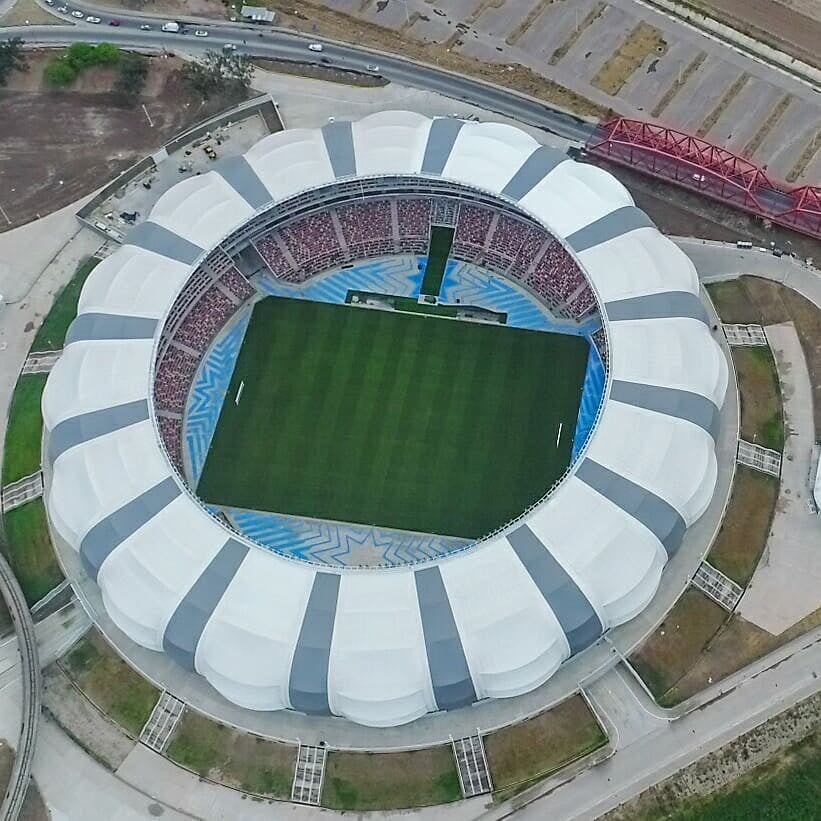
(412, 422)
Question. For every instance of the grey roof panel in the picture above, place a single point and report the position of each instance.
(618, 222)
(87, 426)
(657, 515)
(441, 137)
(657, 306)
(239, 174)
(308, 684)
(92, 326)
(576, 615)
(154, 237)
(110, 532)
(339, 144)
(686, 405)
(533, 170)
(184, 629)
(449, 672)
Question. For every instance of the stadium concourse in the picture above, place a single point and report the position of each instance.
(382, 646)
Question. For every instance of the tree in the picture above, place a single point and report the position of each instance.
(219, 73)
(84, 55)
(133, 74)
(60, 74)
(12, 58)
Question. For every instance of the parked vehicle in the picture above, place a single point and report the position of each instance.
(78, 14)
(91, 19)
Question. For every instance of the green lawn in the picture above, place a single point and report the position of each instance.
(24, 432)
(440, 241)
(52, 333)
(114, 686)
(787, 788)
(29, 550)
(405, 421)
(387, 781)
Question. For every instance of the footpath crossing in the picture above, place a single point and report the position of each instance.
(23, 490)
(720, 588)
(41, 362)
(308, 775)
(471, 764)
(759, 458)
(161, 723)
(745, 335)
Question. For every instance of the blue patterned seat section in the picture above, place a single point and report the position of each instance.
(592, 392)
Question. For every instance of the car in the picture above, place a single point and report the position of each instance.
(145, 27)
(372, 67)
(200, 33)
(78, 14)
(114, 23)
(316, 47)
(62, 9)
(49, 2)
(229, 47)
(91, 19)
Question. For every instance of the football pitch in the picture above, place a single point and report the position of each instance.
(405, 421)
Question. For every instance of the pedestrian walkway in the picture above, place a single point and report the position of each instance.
(161, 723)
(308, 775)
(720, 588)
(23, 490)
(471, 764)
(745, 335)
(759, 458)
(41, 362)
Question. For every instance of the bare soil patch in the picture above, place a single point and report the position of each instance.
(56, 146)
(28, 13)
(171, 8)
(236, 759)
(522, 754)
(329, 75)
(642, 42)
(669, 652)
(793, 26)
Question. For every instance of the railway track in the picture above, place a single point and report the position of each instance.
(30, 667)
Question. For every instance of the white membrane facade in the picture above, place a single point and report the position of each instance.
(385, 646)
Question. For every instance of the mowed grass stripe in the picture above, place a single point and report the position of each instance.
(404, 421)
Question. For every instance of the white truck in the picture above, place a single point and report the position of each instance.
(172, 27)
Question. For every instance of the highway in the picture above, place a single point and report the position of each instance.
(27, 643)
(280, 45)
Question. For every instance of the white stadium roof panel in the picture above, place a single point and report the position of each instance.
(384, 647)
(133, 281)
(378, 669)
(291, 161)
(146, 576)
(587, 533)
(392, 142)
(512, 639)
(246, 648)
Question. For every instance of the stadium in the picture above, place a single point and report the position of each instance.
(384, 419)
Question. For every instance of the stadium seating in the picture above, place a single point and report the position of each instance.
(367, 228)
(171, 434)
(173, 378)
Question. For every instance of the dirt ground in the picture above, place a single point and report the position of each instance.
(98, 137)
(27, 12)
(329, 75)
(791, 25)
(34, 808)
(170, 8)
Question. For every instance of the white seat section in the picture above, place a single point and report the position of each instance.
(573, 195)
(639, 262)
(671, 458)
(487, 155)
(378, 673)
(146, 576)
(246, 648)
(291, 161)
(201, 209)
(673, 353)
(512, 640)
(616, 561)
(133, 282)
(94, 479)
(390, 142)
(90, 376)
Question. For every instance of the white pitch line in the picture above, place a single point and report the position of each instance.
(5, 215)
(239, 392)
(559, 434)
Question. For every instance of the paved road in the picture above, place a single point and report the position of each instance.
(27, 643)
(279, 45)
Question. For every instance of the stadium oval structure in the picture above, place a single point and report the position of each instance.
(383, 647)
